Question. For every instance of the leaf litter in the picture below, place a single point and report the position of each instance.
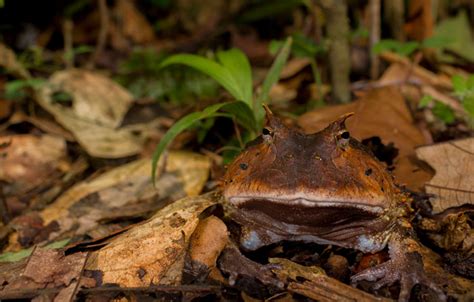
(105, 206)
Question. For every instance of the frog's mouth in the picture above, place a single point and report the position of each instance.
(303, 207)
(290, 203)
(310, 213)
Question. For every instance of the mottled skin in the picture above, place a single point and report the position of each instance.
(325, 188)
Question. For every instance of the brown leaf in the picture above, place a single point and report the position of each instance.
(9, 62)
(154, 251)
(208, 241)
(132, 23)
(381, 112)
(27, 160)
(453, 183)
(50, 266)
(97, 109)
(118, 190)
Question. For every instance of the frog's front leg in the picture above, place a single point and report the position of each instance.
(405, 265)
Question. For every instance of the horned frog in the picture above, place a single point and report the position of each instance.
(325, 188)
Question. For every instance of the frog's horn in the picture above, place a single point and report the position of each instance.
(340, 123)
(272, 121)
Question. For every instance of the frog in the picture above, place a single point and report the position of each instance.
(326, 188)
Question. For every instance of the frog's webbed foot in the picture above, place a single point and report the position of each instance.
(405, 266)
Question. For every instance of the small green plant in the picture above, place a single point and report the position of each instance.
(464, 90)
(69, 56)
(441, 111)
(142, 76)
(407, 48)
(305, 47)
(17, 89)
(233, 72)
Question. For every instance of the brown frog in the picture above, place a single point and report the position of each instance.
(325, 188)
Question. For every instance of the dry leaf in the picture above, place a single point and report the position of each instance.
(132, 23)
(124, 192)
(153, 252)
(453, 183)
(49, 266)
(208, 241)
(383, 113)
(9, 62)
(414, 76)
(98, 107)
(27, 160)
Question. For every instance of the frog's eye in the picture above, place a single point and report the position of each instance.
(267, 134)
(343, 138)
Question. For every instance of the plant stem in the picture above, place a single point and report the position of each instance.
(339, 54)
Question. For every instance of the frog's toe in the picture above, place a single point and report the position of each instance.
(408, 272)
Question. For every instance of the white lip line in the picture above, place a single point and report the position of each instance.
(310, 203)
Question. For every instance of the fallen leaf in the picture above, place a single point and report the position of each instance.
(131, 23)
(9, 62)
(453, 183)
(94, 117)
(27, 160)
(130, 184)
(424, 81)
(44, 124)
(152, 252)
(380, 112)
(124, 192)
(49, 266)
(207, 242)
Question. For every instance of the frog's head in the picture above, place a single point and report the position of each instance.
(286, 170)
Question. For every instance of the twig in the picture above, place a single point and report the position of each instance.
(104, 29)
(68, 51)
(374, 37)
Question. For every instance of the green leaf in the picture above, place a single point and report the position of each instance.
(404, 49)
(459, 83)
(243, 115)
(14, 89)
(385, 45)
(272, 77)
(443, 112)
(435, 42)
(218, 72)
(17, 256)
(181, 125)
(470, 82)
(237, 63)
(457, 34)
(275, 46)
(425, 101)
(468, 104)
